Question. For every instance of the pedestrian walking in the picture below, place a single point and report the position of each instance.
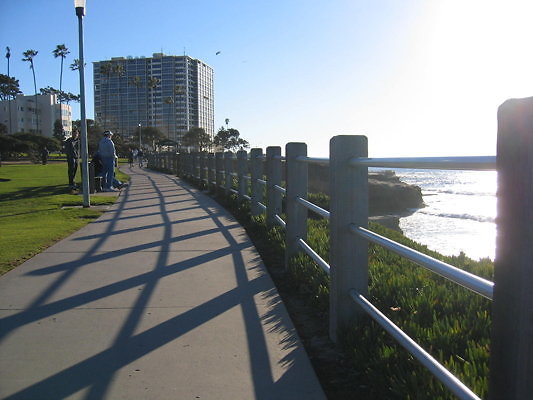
(140, 155)
(131, 156)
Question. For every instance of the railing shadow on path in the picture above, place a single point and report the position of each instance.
(96, 372)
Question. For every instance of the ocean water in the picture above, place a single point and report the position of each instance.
(460, 211)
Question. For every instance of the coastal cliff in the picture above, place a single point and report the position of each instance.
(388, 196)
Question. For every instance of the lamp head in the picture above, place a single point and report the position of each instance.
(80, 7)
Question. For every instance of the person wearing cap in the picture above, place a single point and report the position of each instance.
(106, 149)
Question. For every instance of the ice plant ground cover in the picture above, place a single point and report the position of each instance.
(450, 322)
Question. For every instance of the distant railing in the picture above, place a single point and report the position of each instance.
(348, 269)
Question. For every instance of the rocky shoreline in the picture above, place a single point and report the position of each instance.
(388, 197)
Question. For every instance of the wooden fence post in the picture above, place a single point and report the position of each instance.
(174, 159)
(511, 364)
(256, 173)
(219, 166)
(273, 177)
(211, 172)
(348, 253)
(241, 174)
(228, 169)
(187, 164)
(194, 157)
(296, 188)
(202, 174)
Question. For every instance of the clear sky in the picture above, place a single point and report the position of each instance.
(418, 77)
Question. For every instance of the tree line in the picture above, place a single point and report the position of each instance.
(21, 144)
(196, 139)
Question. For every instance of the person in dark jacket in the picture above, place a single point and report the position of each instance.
(140, 155)
(130, 157)
(72, 151)
(44, 155)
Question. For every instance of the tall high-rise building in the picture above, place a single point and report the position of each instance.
(171, 93)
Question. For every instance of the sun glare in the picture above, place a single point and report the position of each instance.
(478, 54)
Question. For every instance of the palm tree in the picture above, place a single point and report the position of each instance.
(28, 56)
(106, 69)
(169, 100)
(138, 83)
(119, 71)
(61, 51)
(151, 85)
(75, 65)
(179, 90)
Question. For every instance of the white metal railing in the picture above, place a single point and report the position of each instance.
(483, 163)
(466, 279)
(456, 275)
(348, 268)
(442, 374)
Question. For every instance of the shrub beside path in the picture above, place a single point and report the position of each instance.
(162, 297)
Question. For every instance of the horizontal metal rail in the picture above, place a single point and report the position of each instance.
(280, 221)
(246, 197)
(247, 177)
(234, 191)
(481, 163)
(280, 189)
(313, 207)
(442, 374)
(261, 181)
(454, 274)
(234, 174)
(262, 206)
(314, 255)
(313, 160)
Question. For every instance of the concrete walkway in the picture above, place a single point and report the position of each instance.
(163, 297)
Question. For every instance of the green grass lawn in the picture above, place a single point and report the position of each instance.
(36, 210)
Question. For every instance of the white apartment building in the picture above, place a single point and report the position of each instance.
(19, 115)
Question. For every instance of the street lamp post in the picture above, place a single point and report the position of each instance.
(8, 56)
(80, 12)
(140, 141)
